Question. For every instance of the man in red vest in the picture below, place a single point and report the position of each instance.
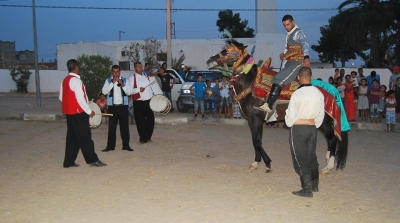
(76, 108)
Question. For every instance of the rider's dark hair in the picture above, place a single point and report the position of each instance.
(287, 17)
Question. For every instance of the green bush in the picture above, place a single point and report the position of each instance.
(21, 78)
(95, 69)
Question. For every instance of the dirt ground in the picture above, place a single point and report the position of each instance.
(190, 173)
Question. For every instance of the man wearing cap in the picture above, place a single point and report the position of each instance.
(393, 77)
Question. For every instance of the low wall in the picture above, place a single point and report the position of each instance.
(50, 80)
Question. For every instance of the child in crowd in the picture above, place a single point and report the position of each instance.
(391, 110)
(363, 103)
(102, 103)
(330, 80)
(198, 91)
(217, 97)
(225, 98)
(131, 111)
(354, 78)
(397, 96)
(340, 87)
(374, 101)
(381, 108)
(209, 98)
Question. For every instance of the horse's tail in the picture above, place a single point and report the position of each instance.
(341, 152)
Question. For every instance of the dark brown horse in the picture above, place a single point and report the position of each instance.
(235, 55)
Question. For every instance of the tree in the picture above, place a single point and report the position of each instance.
(367, 21)
(150, 49)
(21, 78)
(132, 52)
(332, 46)
(95, 69)
(234, 24)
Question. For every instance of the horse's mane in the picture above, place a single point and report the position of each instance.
(234, 42)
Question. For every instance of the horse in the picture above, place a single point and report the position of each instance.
(234, 55)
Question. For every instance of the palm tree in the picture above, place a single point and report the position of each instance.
(367, 22)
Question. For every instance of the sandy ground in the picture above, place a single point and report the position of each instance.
(173, 180)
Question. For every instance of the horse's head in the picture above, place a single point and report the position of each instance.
(233, 55)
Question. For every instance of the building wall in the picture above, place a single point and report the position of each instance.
(73, 50)
(197, 51)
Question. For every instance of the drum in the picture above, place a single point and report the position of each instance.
(95, 121)
(160, 105)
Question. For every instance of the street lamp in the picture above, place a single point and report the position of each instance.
(35, 45)
(119, 32)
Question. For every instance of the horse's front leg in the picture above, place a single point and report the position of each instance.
(256, 127)
(327, 129)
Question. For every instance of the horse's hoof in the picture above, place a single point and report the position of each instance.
(324, 171)
(252, 167)
(268, 170)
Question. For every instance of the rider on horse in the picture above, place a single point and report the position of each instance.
(296, 55)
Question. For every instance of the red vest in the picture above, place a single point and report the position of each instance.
(70, 105)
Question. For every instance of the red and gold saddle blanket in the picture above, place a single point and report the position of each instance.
(262, 86)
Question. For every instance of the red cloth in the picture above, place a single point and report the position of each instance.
(70, 105)
(332, 110)
(349, 105)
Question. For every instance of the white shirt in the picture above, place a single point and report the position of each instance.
(141, 81)
(224, 92)
(306, 103)
(117, 97)
(75, 84)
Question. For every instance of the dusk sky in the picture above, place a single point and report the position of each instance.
(73, 25)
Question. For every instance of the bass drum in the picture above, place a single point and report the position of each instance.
(160, 105)
(95, 121)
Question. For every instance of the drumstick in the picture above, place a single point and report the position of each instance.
(150, 84)
(104, 114)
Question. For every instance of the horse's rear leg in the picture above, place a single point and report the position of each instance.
(256, 127)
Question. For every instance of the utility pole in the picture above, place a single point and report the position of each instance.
(169, 53)
(37, 78)
(119, 32)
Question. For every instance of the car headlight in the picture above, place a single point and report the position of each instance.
(186, 91)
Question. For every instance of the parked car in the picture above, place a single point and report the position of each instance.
(185, 100)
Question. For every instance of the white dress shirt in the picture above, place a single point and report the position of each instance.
(141, 81)
(75, 84)
(117, 97)
(306, 103)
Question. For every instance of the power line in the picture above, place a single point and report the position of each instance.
(163, 9)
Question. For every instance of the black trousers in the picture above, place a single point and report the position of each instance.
(303, 142)
(144, 118)
(121, 115)
(79, 136)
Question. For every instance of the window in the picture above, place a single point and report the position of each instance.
(161, 57)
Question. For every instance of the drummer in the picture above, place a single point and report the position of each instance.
(76, 108)
(117, 91)
(144, 116)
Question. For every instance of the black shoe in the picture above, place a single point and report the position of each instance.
(306, 184)
(107, 149)
(73, 165)
(98, 164)
(128, 149)
(143, 142)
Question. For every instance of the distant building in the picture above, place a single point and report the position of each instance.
(9, 58)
